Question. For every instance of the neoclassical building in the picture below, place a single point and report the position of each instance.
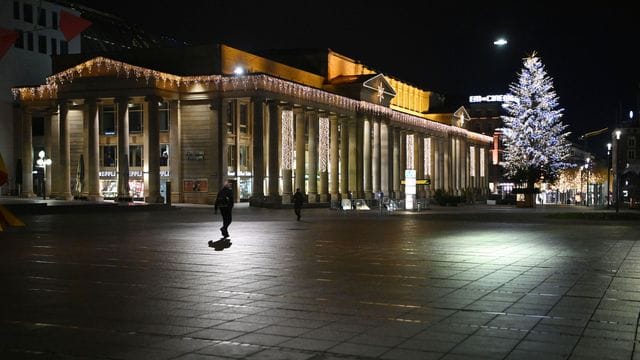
(177, 122)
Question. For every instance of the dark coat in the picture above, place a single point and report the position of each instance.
(224, 199)
(298, 199)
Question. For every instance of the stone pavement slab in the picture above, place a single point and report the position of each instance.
(475, 282)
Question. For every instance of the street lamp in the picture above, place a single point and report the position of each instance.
(618, 133)
(586, 166)
(43, 162)
(609, 175)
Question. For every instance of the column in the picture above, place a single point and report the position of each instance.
(152, 163)
(366, 159)
(92, 175)
(353, 156)
(27, 155)
(274, 153)
(312, 123)
(48, 149)
(123, 149)
(286, 150)
(300, 151)
(323, 156)
(418, 143)
(386, 166)
(175, 151)
(334, 159)
(432, 164)
(375, 157)
(65, 153)
(258, 151)
(395, 181)
(344, 157)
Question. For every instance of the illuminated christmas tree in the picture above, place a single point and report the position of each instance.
(535, 141)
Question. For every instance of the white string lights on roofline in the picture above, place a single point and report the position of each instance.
(104, 66)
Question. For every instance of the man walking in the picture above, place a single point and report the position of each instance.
(224, 202)
(298, 199)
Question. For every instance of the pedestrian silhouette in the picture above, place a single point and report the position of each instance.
(224, 202)
(298, 199)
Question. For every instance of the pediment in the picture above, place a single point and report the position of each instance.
(383, 91)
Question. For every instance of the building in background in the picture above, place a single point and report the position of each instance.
(193, 117)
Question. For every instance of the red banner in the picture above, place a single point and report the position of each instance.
(72, 25)
(7, 39)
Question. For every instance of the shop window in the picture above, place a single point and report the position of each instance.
(231, 123)
(109, 155)
(164, 154)
(135, 155)
(42, 44)
(244, 118)
(244, 164)
(135, 118)
(27, 10)
(163, 116)
(231, 160)
(42, 17)
(107, 117)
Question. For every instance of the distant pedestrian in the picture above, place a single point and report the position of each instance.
(224, 202)
(298, 199)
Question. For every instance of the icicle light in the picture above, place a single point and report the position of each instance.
(323, 151)
(472, 161)
(410, 147)
(287, 139)
(101, 66)
(427, 156)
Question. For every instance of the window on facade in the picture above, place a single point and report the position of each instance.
(20, 40)
(16, 10)
(54, 20)
(108, 155)
(135, 155)
(42, 44)
(135, 118)
(631, 141)
(631, 154)
(231, 123)
(54, 46)
(231, 159)
(244, 164)
(244, 118)
(42, 17)
(164, 154)
(163, 116)
(64, 47)
(27, 10)
(107, 117)
(30, 41)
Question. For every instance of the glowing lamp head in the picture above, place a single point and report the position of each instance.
(500, 42)
(618, 133)
(609, 146)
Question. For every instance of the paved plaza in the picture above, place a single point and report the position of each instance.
(446, 283)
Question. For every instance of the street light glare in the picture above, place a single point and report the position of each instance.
(500, 42)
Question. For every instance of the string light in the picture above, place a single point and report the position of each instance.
(101, 66)
(410, 147)
(323, 152)
(287, 139)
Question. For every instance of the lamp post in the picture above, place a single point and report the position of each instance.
(609, 175)
(586, 167)
(43, 162)
(618, 133)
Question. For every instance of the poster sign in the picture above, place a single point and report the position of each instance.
(200, 185)
(409, 188)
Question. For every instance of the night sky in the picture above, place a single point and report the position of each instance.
(591, 52)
